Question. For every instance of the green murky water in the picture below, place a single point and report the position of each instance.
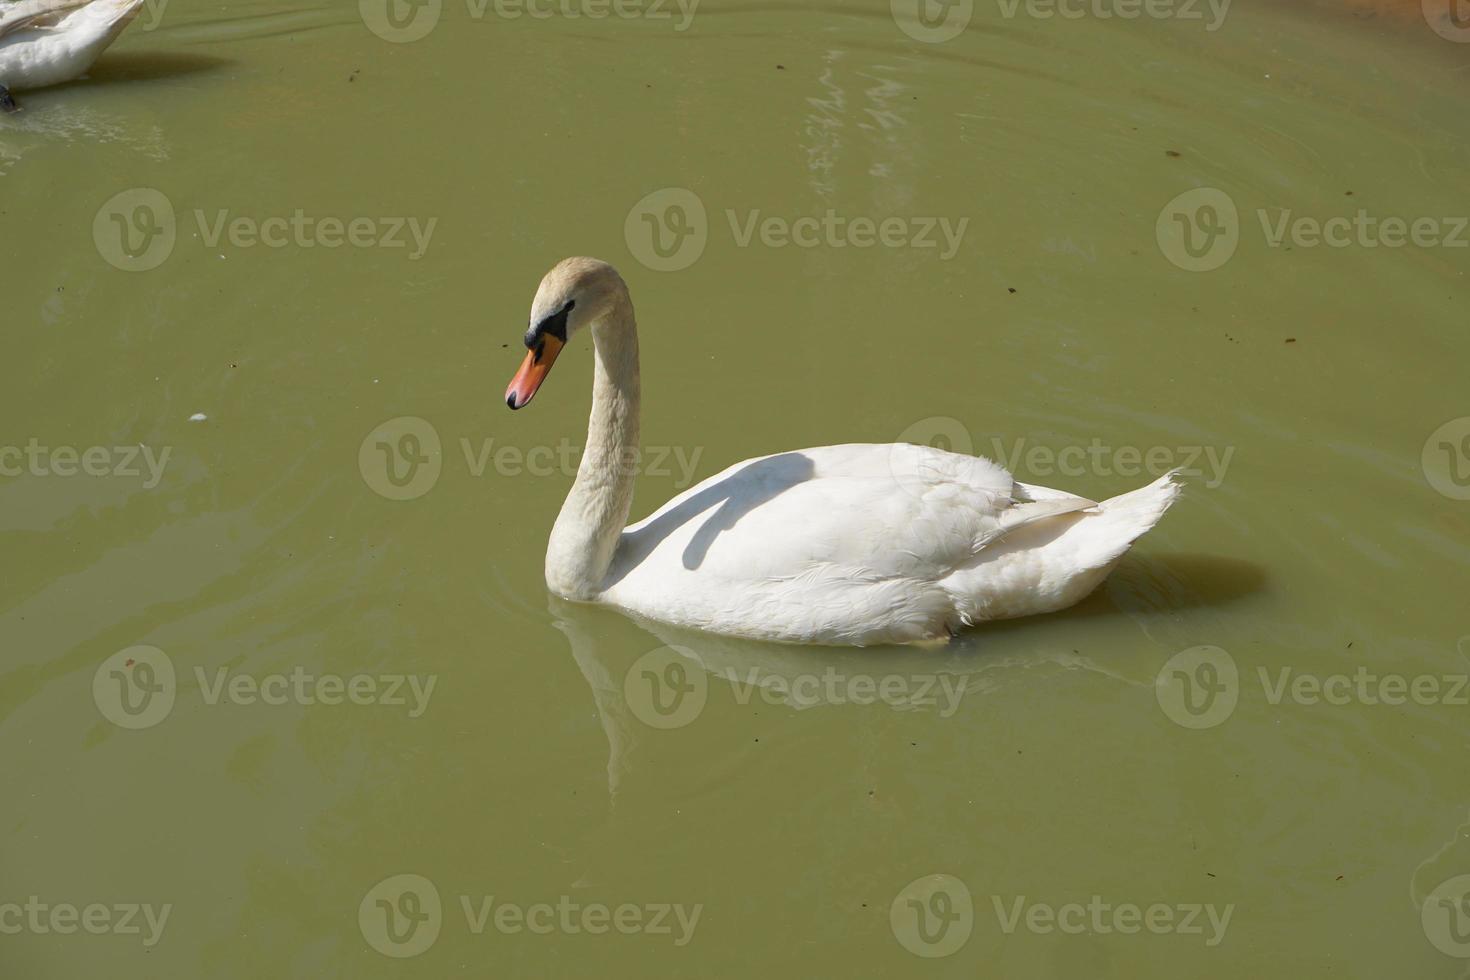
(259, 665)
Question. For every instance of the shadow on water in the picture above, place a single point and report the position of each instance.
(146, 66)
(1157, 583)
(142, 66)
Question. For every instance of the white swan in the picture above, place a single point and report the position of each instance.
(850, 545)
(47, 42)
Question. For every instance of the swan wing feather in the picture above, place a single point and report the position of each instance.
(36, 14)
(836, 525)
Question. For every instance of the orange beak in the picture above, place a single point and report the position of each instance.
(534, 369)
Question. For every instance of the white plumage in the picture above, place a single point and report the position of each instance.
(47, 42)
(853, 544)
(863, 544)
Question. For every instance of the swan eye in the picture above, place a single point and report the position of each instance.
(554, 325)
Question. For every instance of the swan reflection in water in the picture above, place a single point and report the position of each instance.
(651, 687)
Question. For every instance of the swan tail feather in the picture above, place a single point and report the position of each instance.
(1042, 566)
(1108, 530)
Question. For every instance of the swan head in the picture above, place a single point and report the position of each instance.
(576, 293)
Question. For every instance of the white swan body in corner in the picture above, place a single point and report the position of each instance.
(47, 42)
(845, 545)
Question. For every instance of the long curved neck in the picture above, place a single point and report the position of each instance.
(586, 532)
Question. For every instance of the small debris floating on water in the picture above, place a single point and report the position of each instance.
(198, 417)
(1289, 340)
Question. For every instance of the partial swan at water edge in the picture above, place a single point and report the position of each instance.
(47, 42)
